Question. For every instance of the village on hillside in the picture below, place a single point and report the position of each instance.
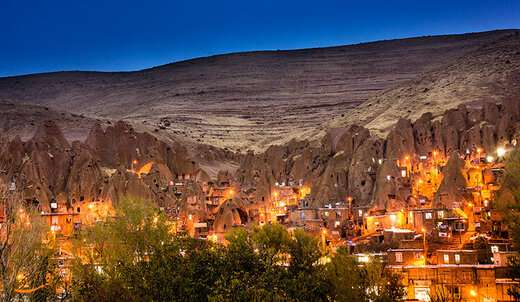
(452, 237)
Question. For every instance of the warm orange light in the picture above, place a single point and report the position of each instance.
(406, 157)
(423, 230)
(213, 238)
(473, 292)
(479, 150)
(134, 161)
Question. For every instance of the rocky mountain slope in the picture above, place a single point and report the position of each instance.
(258, 99)
(489, 74)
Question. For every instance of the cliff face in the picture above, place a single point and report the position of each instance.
(351, 162)
(111, 163)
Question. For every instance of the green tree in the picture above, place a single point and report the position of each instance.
(368, 282)
(116, 255)
(346, 278)
(27, 269)
(508, 201)
(134, 257)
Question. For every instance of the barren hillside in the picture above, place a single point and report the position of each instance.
(256, 99)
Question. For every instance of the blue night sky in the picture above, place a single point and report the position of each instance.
(53, 35)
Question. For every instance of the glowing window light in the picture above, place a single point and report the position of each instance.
(363, 258)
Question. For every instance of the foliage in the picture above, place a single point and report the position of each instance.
(508, 201)
(135, 257)
(514, 274)
(27, 269)
(483, 250)
(509, 206)
(352, 282)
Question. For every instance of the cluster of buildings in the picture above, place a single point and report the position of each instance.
(449, 242)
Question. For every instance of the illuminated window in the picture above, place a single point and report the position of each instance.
(440, 214)
(54, 220)
(399, 257)
(428, 215)
(446, 258)
(494, 249)
(363, 258)
(457, 258)
(360, 213)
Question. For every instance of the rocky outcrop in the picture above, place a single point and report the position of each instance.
(116, 160)
(453, 184)
(111, 163)
(351, 162)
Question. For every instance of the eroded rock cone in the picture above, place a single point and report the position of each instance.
(451, 192)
